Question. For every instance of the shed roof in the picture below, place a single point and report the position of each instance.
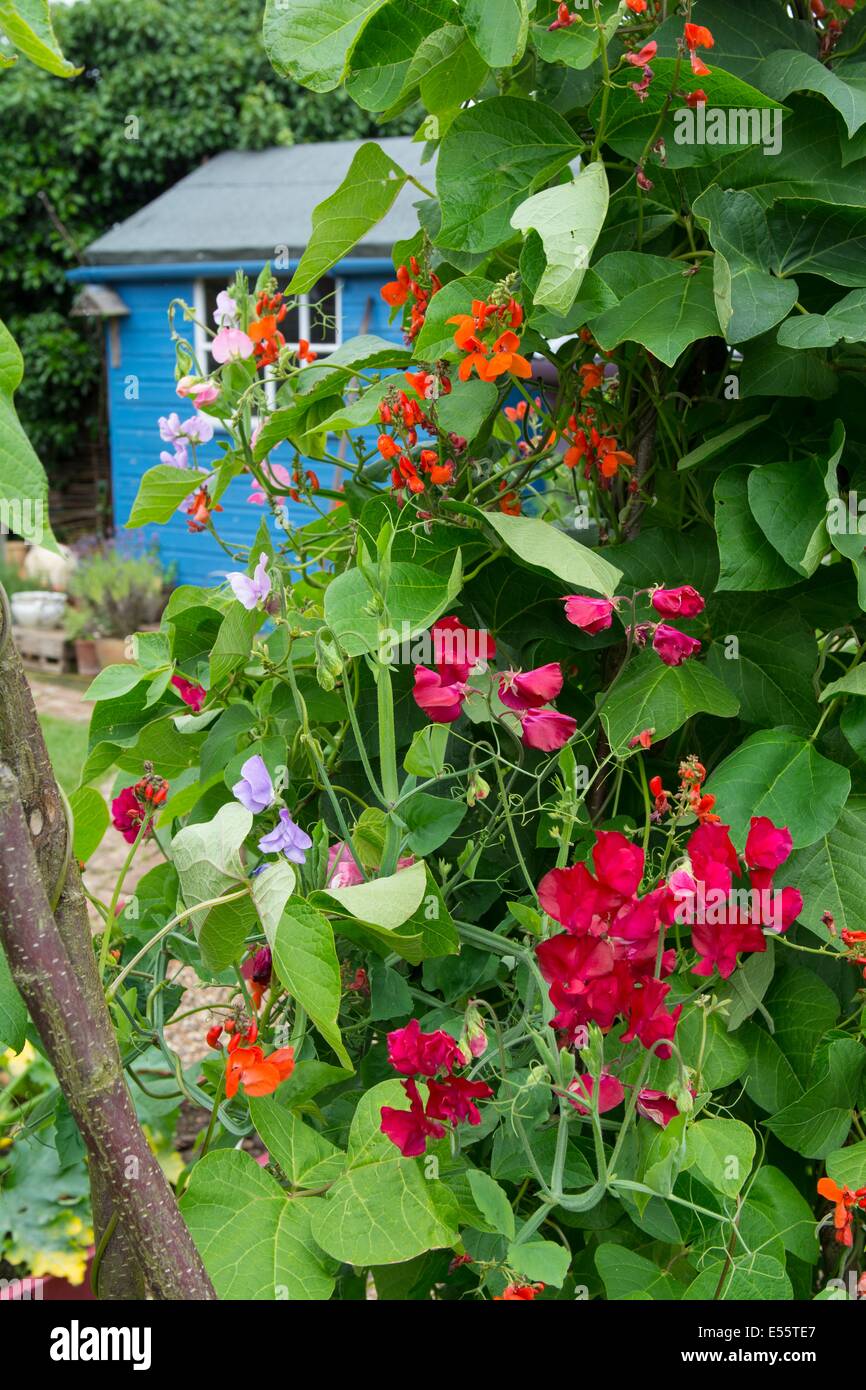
(243, 204)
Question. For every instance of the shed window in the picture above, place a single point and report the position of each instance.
(315, 316)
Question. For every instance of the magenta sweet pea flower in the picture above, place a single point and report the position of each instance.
(288, 839)
(684, 602)
(231, 345)
(191, 694)
(530, 689)
(767, 846)
(441, 702)
(618, 863)
(251, 592)
(410, 1129)
(546, 729)
(454, 1099)
(674, 647)
(255, 790)
(591, 615)
(422, 1054)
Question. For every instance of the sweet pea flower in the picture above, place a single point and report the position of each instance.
(656, 1106)
(287, 838)
(201, 392)
(531, 689)
(546, 729)
(198, 429)
(255, 790)
(226, 310)
(618, 863)
(684, 602)
(191, 694)
(611, 1092)
(441, 702)
(410, 1129)
(644, 55)
(278, 475)
(454, 1099)
(179, 459)
(414, 1053)
(343, 872)
(231, 345)
(767, 846)
(250, 592)
(591, 615)
(674, 647)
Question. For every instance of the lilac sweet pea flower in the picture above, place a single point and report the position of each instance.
(170, 427)
(198, 429)
(288, 839)
(255, 790)
(230, 344)
(250, 592)
(178, 459)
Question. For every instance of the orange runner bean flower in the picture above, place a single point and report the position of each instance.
(490, 359)
(845, 1200)
(698, 36)
(259, 1075)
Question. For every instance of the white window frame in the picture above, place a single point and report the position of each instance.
(202, 342)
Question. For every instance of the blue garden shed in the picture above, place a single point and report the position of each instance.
(240, 209)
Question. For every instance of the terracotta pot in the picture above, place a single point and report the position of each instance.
(111, 651)
(87, 657)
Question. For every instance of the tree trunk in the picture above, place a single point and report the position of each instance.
(149, 1252)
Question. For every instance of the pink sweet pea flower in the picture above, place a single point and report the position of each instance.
(410, 1129)
(574, 898)
(278, 475)
(455, 1099)
(226, 310)
(422, 1054)
(711, 844)
(251, 592)
(674, 647)
(648, 1019)
(684, 602)
(610, 1092)
(618, 863)
(441, 702)
(531, 689)
(591, 615)
(458, 649)
(767, 846)
(546, 729)
(231, 345)
(201, 392)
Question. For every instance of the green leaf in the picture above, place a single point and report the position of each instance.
(772, 370)
(385, 902)
(568, 219)
(819, 1121)
(466, 408)
(743, 36)
(113, 681)
(847, 1167)
(436, 338)
(390, 996)
(804, 1009)
(786, 72)
(27, 24)
(772, 665)
(748, 985)
(723, 1151)
(749, 299)
(749, 561)
(256, 1244)
(208, 860)
(448, 68)
(844, 322)
(750, 1278)
(416, 596)
(545, 547)
(234, 642)
(719, 443)
(494, 1204)
(305, 959)
(385, 53)
(160, 493)
(271, 890)
(831, 874)
(90, 821)
(13, 1011)
(426, 755)
(431, 820)
(770, 1081)
(312, 40)
(790, 1213)
(652, 695)
(779, 774)
(382, 1213)
(499, 32)
(23, 484)
(577, 46)
(787, 500)
(852, 683)
(306, 1157)
(493, 157)
(626, 1275)
(368, 191)
(665, 316)
(543, 1260)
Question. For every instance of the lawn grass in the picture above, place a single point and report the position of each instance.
(66, 740)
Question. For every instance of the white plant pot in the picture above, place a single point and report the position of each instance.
(35, 608)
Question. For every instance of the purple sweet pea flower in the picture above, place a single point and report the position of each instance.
(198, 429)
(288, 839)
(179, 459)
(255, 791)
(170, 427)
(250, 592)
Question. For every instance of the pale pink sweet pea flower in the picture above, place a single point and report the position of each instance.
(231, 345)
(278, 474)
(343, 872)
(201, 392)
(674, 647)
(226, 310)
(591, 615)
(251, 592)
